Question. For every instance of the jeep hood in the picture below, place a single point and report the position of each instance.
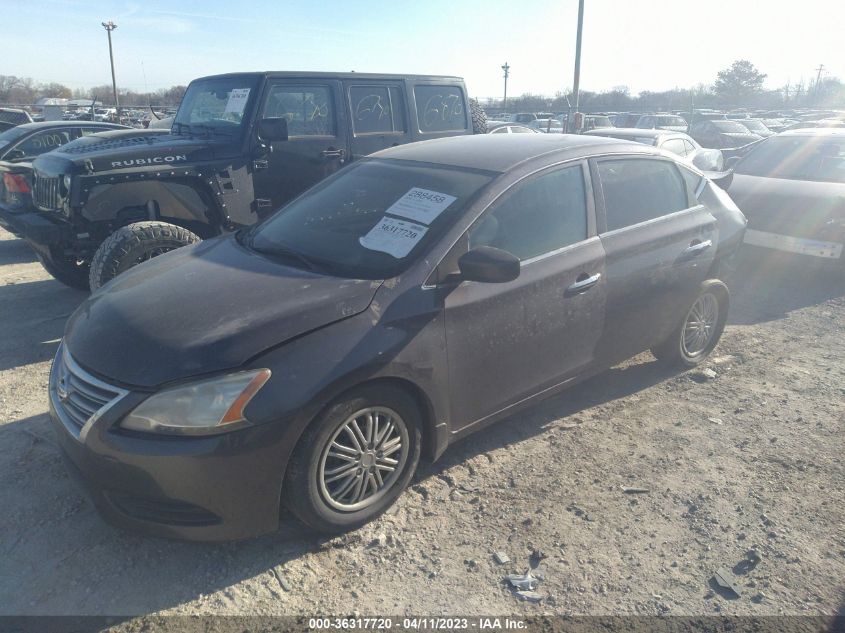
(96, 154)
(203, 309)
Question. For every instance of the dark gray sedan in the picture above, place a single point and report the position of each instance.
(409, 300)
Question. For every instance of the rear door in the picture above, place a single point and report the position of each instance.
(509, 341)
(317, 144)
(659, 244)
(377, 114)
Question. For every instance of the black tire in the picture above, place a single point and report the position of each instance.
(479, 117)
(71, 272)
(135, 243)
(304, 492)
(673, 351)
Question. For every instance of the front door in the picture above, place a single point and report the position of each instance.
(508, 342)
(317, 144)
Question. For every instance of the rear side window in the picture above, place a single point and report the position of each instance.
(308, 109)
(376, 109)
(440, 108)
(640, 189)
(676, 146)
(541, 214)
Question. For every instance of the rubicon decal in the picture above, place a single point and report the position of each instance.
(154, 160)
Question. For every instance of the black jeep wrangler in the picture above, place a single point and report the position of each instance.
(241, 146)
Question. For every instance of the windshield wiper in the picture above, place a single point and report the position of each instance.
(181, 126)
(280, 250)
(211, 129)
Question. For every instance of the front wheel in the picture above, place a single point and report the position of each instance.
(133, 244)
(355, 460)
(699, 332)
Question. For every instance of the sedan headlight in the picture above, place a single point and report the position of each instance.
(201, 408)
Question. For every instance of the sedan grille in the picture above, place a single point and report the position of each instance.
(77, 395)
(45, 192)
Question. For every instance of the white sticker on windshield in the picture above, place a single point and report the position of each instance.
(237, 101)
(394, 237)
(421, 205)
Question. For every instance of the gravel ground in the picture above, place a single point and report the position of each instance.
(746, 456)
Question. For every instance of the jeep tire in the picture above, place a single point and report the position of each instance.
(70, 272)
(135, 243)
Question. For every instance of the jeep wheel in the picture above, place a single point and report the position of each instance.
(71, 272)
(479, 117)
(134, 244)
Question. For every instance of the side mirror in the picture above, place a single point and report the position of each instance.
(709, 160)
(488, 265)
(275, 129)
(731, 162)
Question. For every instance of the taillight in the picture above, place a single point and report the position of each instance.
(15, 183)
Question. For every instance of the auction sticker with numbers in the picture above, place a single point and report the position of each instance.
(421, 205)
(237, 101)
(393, 236)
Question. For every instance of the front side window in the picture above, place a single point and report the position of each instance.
(538, 215)
(675, 145)
(308, 109)
(440, 108)
(640, 189)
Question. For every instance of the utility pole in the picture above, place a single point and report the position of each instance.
(507, 69)
(818, 82)
(576, 80)
(111, 26)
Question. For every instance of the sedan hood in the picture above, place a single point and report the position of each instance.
(814, 210)
(203, 309)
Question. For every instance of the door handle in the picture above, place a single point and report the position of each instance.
(334, 153)
(697, 247)
(583, 283)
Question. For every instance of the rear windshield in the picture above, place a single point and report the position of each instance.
(671, 120)
(371, 220)
(809, 158)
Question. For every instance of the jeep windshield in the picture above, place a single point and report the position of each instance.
(216, 106)
(370, 221)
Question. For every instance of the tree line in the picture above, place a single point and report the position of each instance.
(740, 86)
(25, 91)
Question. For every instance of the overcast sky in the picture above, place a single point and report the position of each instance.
(642, 44)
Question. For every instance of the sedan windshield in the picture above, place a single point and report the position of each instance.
(671, 120)
(371, 220)
(216, 106)
(10, 136)
(754, 126)
(816, 158)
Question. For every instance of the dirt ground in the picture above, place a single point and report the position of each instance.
(745, 458)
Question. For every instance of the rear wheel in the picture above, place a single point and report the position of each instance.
(479, 117)
(699, 332)
(355, 460)
(133, 244)
(68, 270)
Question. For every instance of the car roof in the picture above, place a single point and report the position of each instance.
(328, 75)
(632, 131)
(39, 125)
(816, 131)
(502, 152)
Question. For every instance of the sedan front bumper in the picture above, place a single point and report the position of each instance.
(221, 487)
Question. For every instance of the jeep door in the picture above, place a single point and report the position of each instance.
(378, 116)
(317, 144)
(659, 244)
(509, 341)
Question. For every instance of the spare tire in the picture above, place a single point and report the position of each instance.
(479, 117)
(133, 244)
